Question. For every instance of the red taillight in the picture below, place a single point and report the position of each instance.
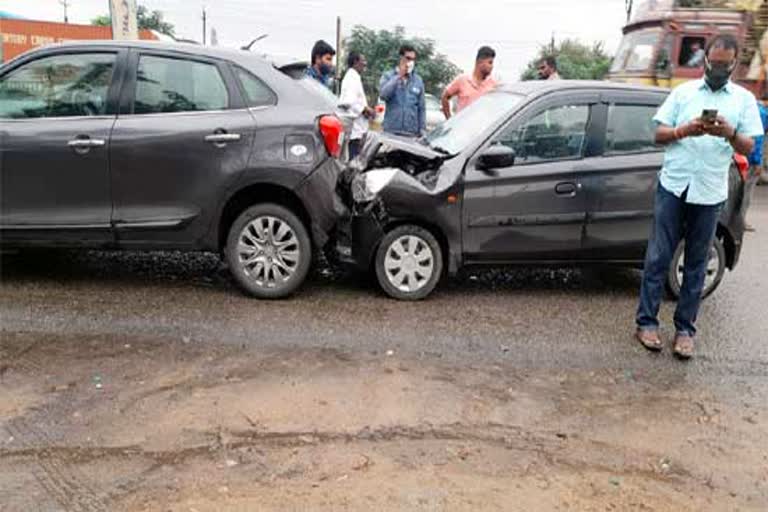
(333, 133)
(742, 163)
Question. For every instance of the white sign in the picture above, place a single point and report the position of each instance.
(125, 24)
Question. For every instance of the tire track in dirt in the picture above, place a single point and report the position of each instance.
(554, 451)
(56, 476)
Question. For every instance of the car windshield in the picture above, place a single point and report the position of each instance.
(636, 51)
(431, 102)
(454, 135)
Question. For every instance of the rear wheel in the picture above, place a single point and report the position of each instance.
(714, 273)
(269, 251)
(408, 263)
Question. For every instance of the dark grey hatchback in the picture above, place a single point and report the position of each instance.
(158, 146)
(553, 173)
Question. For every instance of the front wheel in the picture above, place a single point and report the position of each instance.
(269, 251)
(714, 273)
(409, 263)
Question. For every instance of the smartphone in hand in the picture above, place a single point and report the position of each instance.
(709, 115)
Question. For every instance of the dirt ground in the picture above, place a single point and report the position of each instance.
(91, 423)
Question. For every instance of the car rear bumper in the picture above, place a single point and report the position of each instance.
(320, 198)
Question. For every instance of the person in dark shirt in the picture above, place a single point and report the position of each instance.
(321, 67)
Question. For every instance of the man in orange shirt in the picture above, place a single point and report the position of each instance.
(470, 87)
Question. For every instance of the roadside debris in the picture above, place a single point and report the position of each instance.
(363, 462)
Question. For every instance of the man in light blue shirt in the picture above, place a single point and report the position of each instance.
(693, 185)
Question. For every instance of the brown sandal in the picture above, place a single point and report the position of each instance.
(649, 339)
(683, 347)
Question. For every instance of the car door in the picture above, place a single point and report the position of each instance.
(535, 209)
(183, 136)
(56, 114)
(621, 184)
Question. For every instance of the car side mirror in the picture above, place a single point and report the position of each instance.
(496, 156)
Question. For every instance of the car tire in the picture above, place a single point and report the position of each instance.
(275, 255)
(715, 270)
(419, 252)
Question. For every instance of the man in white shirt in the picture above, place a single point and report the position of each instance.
(353, 98)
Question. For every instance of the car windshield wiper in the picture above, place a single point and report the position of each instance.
(440, 150)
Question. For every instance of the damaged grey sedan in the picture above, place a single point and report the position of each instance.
(537, 174)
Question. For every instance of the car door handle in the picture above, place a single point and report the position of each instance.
(86, 143)
(222, 138)
(567, 189)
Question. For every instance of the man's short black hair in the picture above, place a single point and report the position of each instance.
(406, 48)
(724, 41)
(353, 58)
(485, 52)
(321, 48)
(550, 61)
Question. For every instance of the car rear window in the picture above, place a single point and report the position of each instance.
(315, 88)
(166, 85)
(631, 129)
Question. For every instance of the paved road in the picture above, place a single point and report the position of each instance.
(143, 382)
(534, 319)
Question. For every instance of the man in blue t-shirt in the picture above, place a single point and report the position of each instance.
(756, 164)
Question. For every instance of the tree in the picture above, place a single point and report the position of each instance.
(147, 20)
(381, 50)
(575, 60)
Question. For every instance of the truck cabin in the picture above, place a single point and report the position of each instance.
(670, 49)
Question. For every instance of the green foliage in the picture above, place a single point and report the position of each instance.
(575, 61)
(147, 20)
(381, 50)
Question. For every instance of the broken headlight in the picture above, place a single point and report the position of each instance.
(366, 186)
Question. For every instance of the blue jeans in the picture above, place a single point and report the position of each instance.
(675, 220)
(355, 145)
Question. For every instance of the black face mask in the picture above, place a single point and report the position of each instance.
(717, 75)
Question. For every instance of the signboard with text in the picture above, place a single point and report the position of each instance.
(125, 24)
(19, 36)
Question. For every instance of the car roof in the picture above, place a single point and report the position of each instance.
(230, 54)
(541, 87)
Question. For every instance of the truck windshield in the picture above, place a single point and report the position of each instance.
(636, 51)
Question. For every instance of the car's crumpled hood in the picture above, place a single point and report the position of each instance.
(418, 165)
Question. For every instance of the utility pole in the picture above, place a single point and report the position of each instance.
(204, 25)
(337, 81)
(65, 4)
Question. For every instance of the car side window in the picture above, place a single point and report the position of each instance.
(257, 94)
(558, 133)
(166, 84)
(71, 85)
(631, 129)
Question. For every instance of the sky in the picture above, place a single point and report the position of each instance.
(514, 28)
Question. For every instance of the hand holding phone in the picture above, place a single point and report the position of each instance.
(709, 115)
